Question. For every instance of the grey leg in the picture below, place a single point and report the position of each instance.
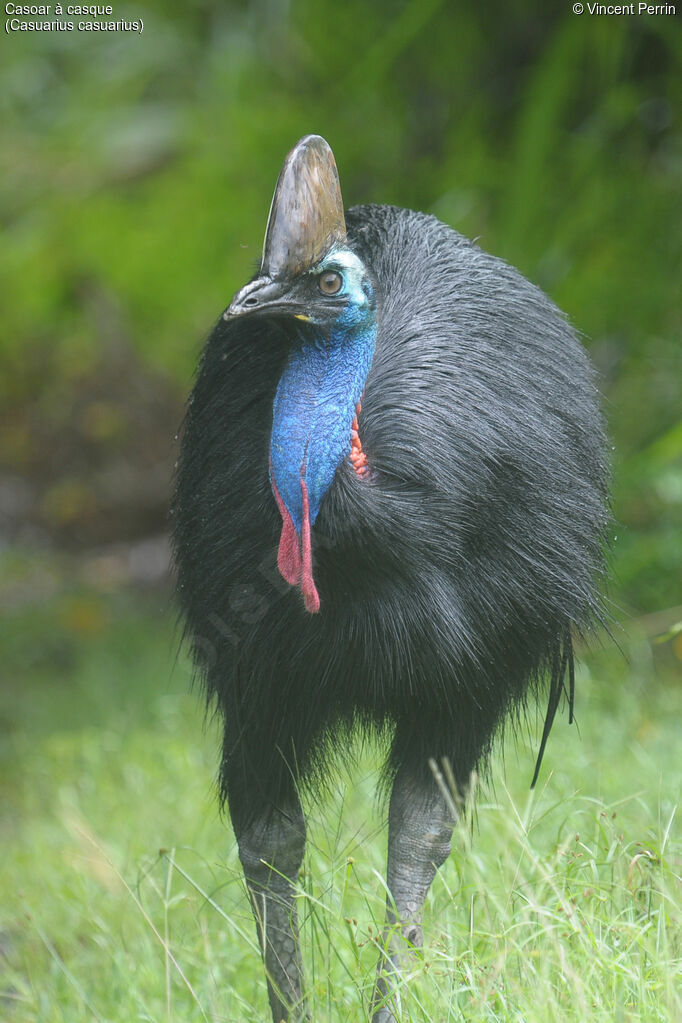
(271, 851)
(419, 831)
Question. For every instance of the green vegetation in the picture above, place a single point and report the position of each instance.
(135, 176)
(137, 173)
(122, 896)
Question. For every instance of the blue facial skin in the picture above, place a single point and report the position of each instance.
(321, 386)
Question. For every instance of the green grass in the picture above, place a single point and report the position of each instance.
(121, 897)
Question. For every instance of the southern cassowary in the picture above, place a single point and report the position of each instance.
(389, 516)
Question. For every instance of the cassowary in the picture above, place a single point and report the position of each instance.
(389, 516)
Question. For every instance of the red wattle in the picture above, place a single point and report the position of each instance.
(289, 553)
(294, 557)
(311, 597)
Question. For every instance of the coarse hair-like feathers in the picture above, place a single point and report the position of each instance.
(452, 578)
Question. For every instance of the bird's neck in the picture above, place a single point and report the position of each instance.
(315, 405)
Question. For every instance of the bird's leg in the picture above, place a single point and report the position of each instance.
(420, 827)
(271, 851)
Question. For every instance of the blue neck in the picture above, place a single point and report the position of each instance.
(313, 413)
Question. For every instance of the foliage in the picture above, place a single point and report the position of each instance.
(137, 173)
(121, 895)
(135, 176)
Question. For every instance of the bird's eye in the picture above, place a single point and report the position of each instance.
(330, 282)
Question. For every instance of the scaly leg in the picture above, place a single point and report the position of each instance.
(420, 827)
(271, 851)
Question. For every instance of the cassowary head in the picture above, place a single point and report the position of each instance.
(319, 290)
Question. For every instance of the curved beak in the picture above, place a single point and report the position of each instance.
(265, 296)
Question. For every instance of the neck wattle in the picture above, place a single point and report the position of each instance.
(314, 428)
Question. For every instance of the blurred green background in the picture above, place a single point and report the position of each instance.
(136, 173)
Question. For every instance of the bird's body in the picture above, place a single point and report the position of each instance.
(437, 470)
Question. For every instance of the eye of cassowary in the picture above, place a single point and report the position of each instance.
(390, 513)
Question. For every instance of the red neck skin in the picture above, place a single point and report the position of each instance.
(294, 557)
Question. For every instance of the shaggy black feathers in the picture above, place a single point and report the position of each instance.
(450, 580)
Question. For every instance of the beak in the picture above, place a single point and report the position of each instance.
(265, 296)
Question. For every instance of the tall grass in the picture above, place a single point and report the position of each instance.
(122, 897)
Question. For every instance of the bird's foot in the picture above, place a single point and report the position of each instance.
(401, 945)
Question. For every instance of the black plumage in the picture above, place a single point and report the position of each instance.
(451, 579)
